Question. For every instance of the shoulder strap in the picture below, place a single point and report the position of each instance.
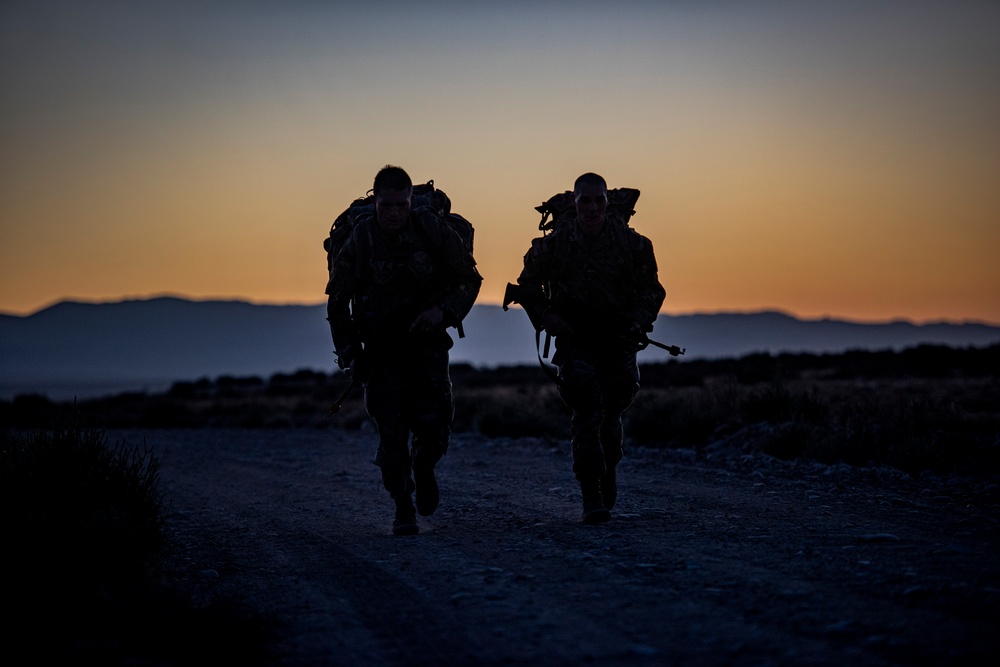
(433, 242)
(363, 260)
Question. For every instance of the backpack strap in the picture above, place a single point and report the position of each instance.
(362, 262)
(432, 240)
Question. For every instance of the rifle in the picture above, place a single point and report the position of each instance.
(645, 341)
(335, 408)
(530, 303)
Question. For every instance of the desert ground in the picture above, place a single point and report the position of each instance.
(715, 556)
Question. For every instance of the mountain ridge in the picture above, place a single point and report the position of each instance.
(77, 348)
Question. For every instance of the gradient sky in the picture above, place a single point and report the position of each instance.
(825, 159)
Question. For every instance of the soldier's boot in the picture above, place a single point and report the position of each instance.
(609, 488)
(405, 522)
(594, 511)
(428, 494)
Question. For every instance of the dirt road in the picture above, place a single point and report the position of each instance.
(710, 558)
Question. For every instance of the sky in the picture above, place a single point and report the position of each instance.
(823, 159)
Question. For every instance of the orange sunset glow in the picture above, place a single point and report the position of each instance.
(824, 159)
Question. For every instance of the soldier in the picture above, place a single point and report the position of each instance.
(593, 285)
(395, 286)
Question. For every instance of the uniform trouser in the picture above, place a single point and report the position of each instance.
(410, 394)
(598, 386)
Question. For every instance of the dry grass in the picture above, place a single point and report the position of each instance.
(927, 408)
(88, 574)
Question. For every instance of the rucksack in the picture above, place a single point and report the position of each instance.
(426, 201)
(426, 198)
(562, 207)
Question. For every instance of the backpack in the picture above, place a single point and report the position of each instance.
(427, 200)
(562, 207)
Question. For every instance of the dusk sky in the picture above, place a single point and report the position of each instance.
(833, 159)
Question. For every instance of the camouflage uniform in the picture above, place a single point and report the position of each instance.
(598, 287)
(373, 301)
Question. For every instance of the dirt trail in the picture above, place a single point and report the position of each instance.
(715, 558)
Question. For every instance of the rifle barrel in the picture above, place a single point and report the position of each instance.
(674, 350)
(340, 401)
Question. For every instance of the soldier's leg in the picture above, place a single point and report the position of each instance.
(430, 415)
(581, 391)
(619, 385)
(385, 403)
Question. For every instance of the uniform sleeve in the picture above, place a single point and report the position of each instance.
(649, 292)
(534, 275)
(463, 287)
(340, 291)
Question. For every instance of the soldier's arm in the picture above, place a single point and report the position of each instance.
(340, 290)
(649, 292)
(536, 273)
(533, 276)
(463, 289)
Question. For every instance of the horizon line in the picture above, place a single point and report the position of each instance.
(723, 311)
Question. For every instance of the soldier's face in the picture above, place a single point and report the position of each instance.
(392, 208)
(591, 204)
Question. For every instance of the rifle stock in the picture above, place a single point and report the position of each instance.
(517, 294)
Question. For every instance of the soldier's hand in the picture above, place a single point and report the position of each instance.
(345, 357)
(555, 325)
(359, 368)
(635, 335)
(430, 319)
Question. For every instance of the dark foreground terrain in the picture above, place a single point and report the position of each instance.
(775, 510)
(712, 557)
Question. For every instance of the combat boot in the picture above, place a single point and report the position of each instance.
(428, 494)
(609, 488)
(405, 522)
(594, 511)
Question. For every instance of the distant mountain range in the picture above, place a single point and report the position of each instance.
(85, 349)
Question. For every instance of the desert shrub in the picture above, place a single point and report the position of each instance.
(81, 523)
(167, 413)
(299, 382)
(681, 418)
(231, 386)
(916, 428)
(27, 411)
(471, 377)
(191, 390)
(913, 425)
(86, 554)
(758, 368)
(69, 490)
(777, 402)
(674, 373)
(512, 412)
(927, 407)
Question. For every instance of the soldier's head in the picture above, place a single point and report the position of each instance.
(393, 191)
(590, 194)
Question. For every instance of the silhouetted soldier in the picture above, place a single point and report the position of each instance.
(398, 282)
(593, 284)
